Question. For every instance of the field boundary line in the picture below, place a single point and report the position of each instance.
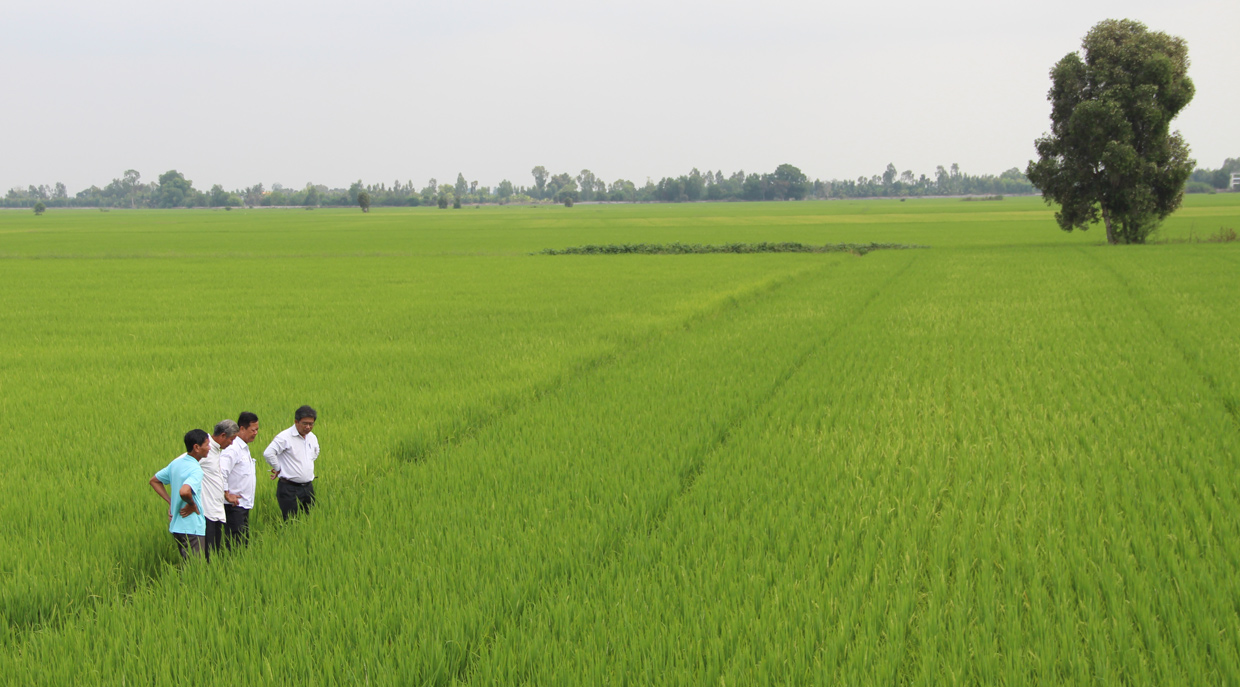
(610, 551)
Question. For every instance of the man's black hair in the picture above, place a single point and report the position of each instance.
(194, 437)
(304, 412)
(246, 418)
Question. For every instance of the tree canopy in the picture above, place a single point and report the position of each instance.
(786, 182)
(174, 190)
(1109, 151)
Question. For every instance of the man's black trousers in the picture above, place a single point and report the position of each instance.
(294, 497)
(215, 536)
(190, 545)
(236, 526)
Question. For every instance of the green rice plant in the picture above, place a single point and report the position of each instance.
(1001, 508)
(105, 365)
(1009, 459)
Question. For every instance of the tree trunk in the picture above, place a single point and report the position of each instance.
(1106, 220)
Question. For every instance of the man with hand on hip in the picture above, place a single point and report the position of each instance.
(184, 475)
(213, 484)
(291, 455)
(237, 469)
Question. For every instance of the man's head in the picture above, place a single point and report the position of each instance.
(247, 427)
(224, 433)
(197, 444)
(303, 419)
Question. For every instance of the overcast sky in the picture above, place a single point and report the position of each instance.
(241, 92)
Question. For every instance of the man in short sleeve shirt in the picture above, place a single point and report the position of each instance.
(184, 475)
(291, 455)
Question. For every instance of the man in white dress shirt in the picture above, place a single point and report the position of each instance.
(291, 455)
(213, 485)
(237, 468)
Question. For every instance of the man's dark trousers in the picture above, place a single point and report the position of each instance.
(190, 545)
(236, 526)
(215, 534)
(294, 496)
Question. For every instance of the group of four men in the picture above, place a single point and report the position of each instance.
(214, 480)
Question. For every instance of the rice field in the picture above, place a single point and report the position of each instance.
(1011, 457)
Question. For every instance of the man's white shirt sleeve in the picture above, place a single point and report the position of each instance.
(271, 454)
(212, 484)
(226, 464)
(237, 465)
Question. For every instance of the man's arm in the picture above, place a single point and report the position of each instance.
(160, 489)
(187, 497)
(228, 461)
(271, 454)
(226, 464)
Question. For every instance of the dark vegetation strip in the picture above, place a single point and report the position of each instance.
(1223, 235)
(697, 248)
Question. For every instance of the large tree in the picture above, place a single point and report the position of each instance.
(790, 182)
(1109, 151)
(174, 190)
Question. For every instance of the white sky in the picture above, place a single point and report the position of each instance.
(238, 92)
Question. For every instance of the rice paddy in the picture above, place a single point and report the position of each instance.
(1011, 456)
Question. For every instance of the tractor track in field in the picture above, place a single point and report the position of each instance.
(449, 438)
(1229, 402)
(690, 474)
(610, 551)
(53, 616)
(613, 544)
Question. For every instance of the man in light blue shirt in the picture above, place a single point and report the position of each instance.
(185, 517)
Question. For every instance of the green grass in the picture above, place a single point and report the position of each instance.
(1010, 458)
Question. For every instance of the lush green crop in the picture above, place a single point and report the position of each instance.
(1010, 458)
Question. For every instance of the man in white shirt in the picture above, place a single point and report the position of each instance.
(237, 469)
(213, 485)
(291, 455)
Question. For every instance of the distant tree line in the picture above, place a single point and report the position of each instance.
(1212, 180)
(786, 182)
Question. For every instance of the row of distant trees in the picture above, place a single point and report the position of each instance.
(786, 182)
(1211, 180)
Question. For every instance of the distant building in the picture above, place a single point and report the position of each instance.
(1235, 180)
